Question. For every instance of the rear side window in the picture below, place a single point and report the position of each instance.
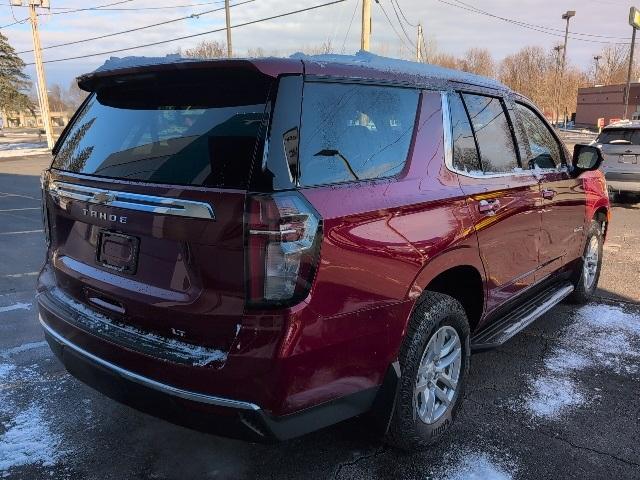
(493, 134)
(204, 133)
(465, 154)
(620, 136)
(543, 147)
(354, 132)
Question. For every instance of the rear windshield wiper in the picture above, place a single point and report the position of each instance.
(336, 153)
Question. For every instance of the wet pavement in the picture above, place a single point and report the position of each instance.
(560, 400)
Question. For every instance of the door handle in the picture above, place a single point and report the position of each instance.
(488, 206)
(548, 194)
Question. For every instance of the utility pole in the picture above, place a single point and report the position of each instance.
(228, 15)
(597, 60)
(634, 21)
(566, 16)
(419, 43)
(365, 39)
(43, 97)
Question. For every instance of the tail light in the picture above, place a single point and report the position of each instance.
(283, 234)
(44, 188)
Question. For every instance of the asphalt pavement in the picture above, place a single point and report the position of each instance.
(560, 400)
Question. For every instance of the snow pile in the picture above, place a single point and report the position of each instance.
(477, 466)
(5, 370)
(602, 336)
(28, 440)
(16, 306)
(25, 438)
(19, 149)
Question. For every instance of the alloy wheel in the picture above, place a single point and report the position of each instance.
(438, 375)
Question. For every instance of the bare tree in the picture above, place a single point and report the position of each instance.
(75, 95)
(207, 49)
(478, 61)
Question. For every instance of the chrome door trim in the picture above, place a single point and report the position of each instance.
(132, 201)
(448, 148)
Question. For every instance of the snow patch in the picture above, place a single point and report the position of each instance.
(25, 347)
(16, 306)
(28, 440)
(602, 336)
(478, 466)
(198, 355)
(20, 149)
(5, 370)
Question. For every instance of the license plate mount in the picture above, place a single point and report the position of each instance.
(118, 251)
(628, 159)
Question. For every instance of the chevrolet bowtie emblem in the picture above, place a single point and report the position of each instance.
(103, 197)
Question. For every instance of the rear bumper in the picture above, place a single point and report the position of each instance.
(197, 410)
(623, 182)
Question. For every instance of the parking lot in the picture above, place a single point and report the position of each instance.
(560, 400)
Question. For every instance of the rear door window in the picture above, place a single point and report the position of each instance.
(354, 132)
(544, 150)
(465, 153)
(493, 133)
(204, 134)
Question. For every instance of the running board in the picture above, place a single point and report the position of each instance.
(501, 330)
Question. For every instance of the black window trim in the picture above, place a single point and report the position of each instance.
(561, 147)
(370, 83)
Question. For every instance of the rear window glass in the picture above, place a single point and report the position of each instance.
(203, 135)
(622, 136)
(354, 132)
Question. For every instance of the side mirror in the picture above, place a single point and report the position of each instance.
(586, 158)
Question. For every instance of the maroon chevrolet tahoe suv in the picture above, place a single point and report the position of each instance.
(261, 248)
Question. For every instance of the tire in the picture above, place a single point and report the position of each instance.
(585, 286)
(435, 314)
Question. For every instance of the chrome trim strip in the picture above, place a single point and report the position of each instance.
(133, 201)
(447, 133)
(147, 382)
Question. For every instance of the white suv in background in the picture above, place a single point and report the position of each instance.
(620, 143)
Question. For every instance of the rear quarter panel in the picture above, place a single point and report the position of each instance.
(383, 241)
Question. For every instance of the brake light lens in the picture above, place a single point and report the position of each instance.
(44, 188)
(283, 233)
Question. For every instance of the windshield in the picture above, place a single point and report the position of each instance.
(206, 138)
(622, 136)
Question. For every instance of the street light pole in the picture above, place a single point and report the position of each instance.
(634, 21)
(566, 16)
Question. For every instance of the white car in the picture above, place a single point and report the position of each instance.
(620, 143)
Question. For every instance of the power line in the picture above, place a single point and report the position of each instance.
(97, 7)
(519, 22)
(355, 8)
(392, 25)
(193, 15)
(530, 26)
(161, 42)
(401, 25)
(159, 7)
(414, 25)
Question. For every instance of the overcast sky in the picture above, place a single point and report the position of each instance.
(454, 29)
